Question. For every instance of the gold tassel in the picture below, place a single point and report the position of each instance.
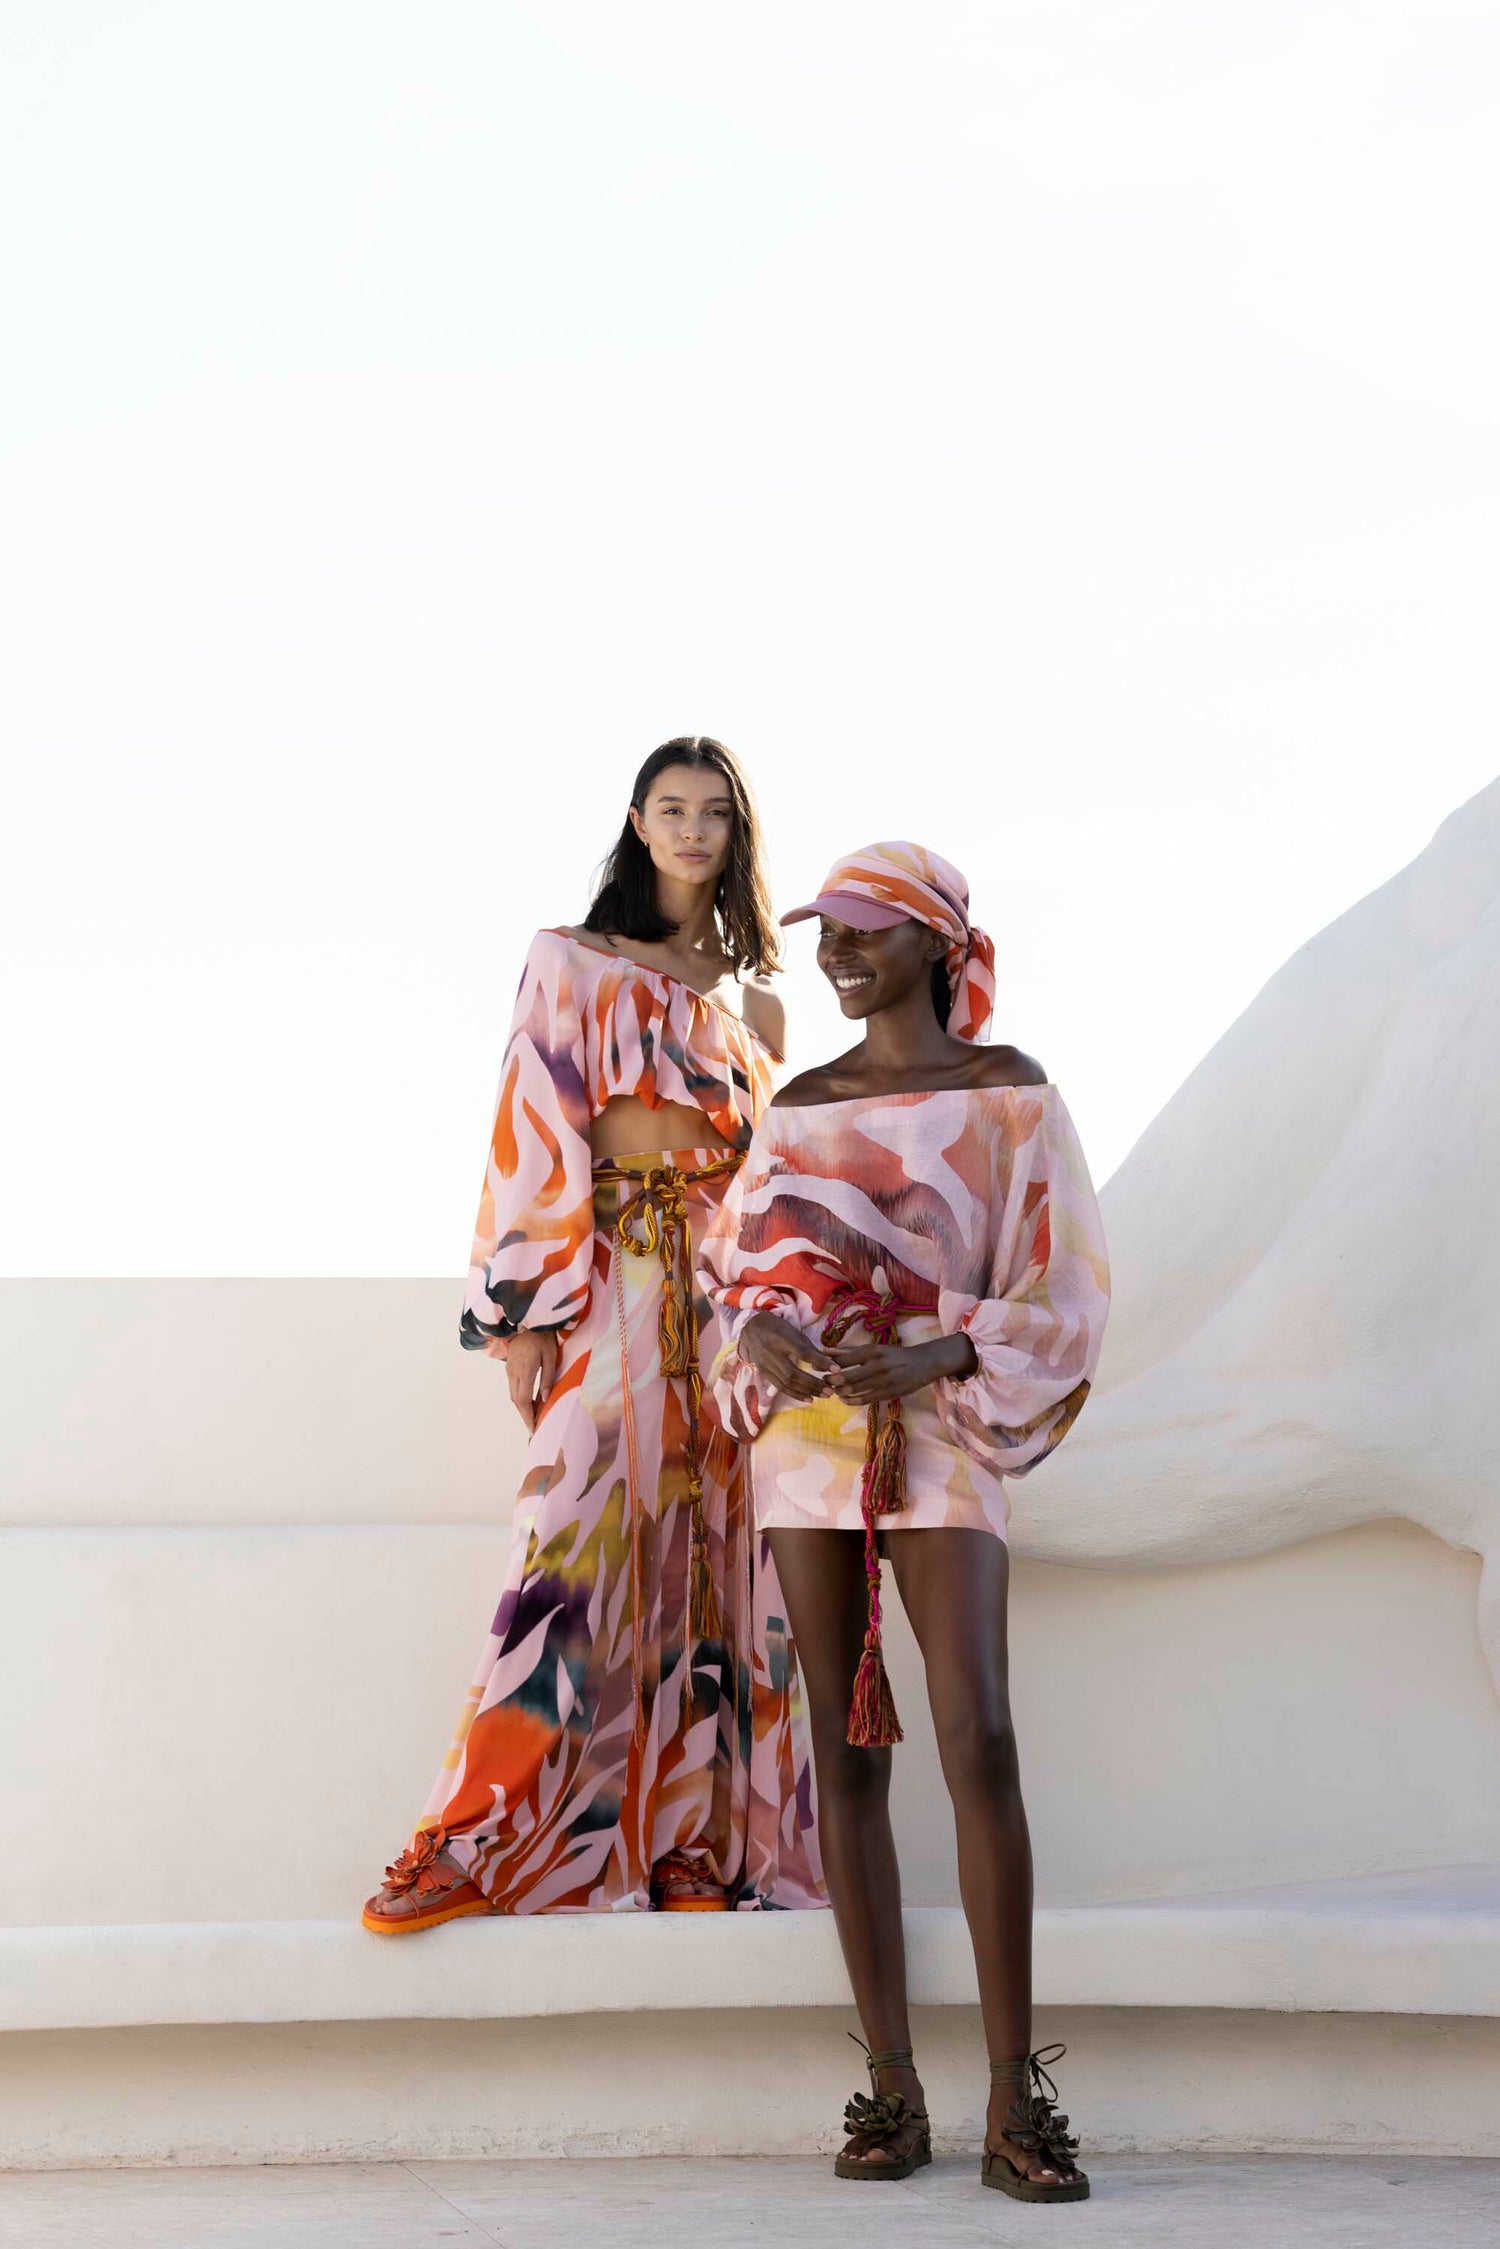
(704, 1617)
(658, 1207)
(887, 1458)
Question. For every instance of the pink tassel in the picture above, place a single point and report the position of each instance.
(873, 1723)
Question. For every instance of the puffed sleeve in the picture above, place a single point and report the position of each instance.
(1037, 1331)
(738, 1260)
(533, 1240)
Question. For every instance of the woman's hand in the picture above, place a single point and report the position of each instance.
(784, 1356)
(531, 1369)
(869, 1372)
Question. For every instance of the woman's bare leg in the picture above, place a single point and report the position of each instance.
(953, 1586)
(822, 1577)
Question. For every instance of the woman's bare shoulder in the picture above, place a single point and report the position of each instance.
(811, 1089)
(765, 1011)
(1007, 1065)
(799, 1092)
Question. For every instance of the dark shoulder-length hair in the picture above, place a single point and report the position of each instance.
(625, 901)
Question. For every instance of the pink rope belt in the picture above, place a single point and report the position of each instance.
(873, 1723)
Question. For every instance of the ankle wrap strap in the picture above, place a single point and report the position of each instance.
(1031, 2069)
(899, 2057)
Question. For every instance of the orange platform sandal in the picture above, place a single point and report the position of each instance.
(436, 1889)
(684, 1883)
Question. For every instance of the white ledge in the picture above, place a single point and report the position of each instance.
(1424, 1944)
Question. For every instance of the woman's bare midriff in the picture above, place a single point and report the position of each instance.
(627, 1126)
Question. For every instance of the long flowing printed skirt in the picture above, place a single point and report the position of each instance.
(598, 1736)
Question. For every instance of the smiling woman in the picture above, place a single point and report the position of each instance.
(630, 1737)
(929, 1193)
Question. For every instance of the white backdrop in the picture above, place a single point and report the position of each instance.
(1066, 433)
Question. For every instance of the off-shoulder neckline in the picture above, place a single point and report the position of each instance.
(912, 1093)
(665, 976)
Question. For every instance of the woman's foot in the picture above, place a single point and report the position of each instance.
(423, 1888)
(1028, 2149)
(889, 2133)
(685, 1883)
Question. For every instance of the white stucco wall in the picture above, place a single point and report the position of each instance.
(246, 1578)
(1169, 2079)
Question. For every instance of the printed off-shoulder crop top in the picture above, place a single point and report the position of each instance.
(976, 1204)
(588, 1026)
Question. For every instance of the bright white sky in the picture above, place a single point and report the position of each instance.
(1063, 432)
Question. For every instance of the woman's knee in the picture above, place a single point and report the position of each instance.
(977, 1746)
(847, 1775)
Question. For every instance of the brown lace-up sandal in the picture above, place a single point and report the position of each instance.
(684, 1883)
(443, 1892)
(1035, 2127)
(881, 2119)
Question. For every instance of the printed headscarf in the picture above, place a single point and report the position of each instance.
(890, 882)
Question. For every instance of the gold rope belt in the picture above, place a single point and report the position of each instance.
(652, 1221)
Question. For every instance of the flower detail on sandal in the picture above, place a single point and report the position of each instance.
(423, 1889)
(1035, 2126)
(418, 1868)
(877, 2118)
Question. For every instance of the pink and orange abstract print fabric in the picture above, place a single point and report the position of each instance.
(588, 1026)
(599, 1734)
(975, 1204)
(585, 1753)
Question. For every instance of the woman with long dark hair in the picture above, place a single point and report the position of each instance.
(631, 1737)
(911, 1275)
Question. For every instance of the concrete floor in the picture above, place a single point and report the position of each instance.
(1230, 2202)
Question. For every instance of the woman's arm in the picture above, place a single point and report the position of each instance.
(532, 1258)
(1037, 1331)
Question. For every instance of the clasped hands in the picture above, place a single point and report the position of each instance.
(860, 1373)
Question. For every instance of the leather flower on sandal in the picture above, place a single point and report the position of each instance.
(1035, 2126)
(443, 1892)
(884, 2120)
